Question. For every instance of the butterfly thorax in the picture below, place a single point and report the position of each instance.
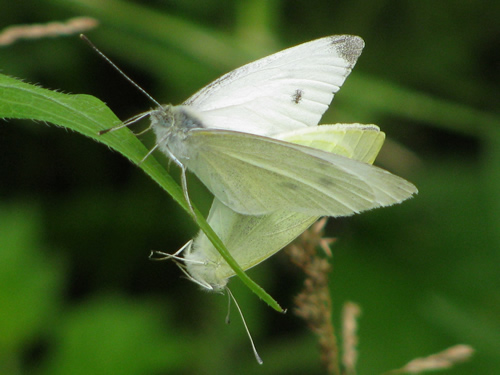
(171, 124)
(203, 264)
(204, 273)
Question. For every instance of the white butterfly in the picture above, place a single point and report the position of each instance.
(253, 239)
(251, 138)
(223, 135)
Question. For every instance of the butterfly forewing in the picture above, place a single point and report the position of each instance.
(287, 90)
(257, 175)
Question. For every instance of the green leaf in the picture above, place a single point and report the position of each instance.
(88, 115)
(110, 334)
(31, 281)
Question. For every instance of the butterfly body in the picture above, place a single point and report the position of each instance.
(171, 125)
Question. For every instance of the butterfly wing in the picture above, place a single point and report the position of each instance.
(250, 239)
(288, 90)
(257, 175)
(355, 141)
(253, 239)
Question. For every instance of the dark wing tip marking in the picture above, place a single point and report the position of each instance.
(349, 47)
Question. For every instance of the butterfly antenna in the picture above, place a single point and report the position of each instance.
(257, 356)
(106, 58)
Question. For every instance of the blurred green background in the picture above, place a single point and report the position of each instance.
(78, 294)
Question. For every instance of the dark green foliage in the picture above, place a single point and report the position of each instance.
(77, 221)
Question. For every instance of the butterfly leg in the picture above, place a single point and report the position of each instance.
(149, 153)
(185, 190)
(183, 172)
(160, 255)
(183, 179)
(126, 123)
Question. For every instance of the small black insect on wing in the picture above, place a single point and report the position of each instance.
(297, 96)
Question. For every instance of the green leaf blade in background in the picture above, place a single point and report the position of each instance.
(88, 115)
